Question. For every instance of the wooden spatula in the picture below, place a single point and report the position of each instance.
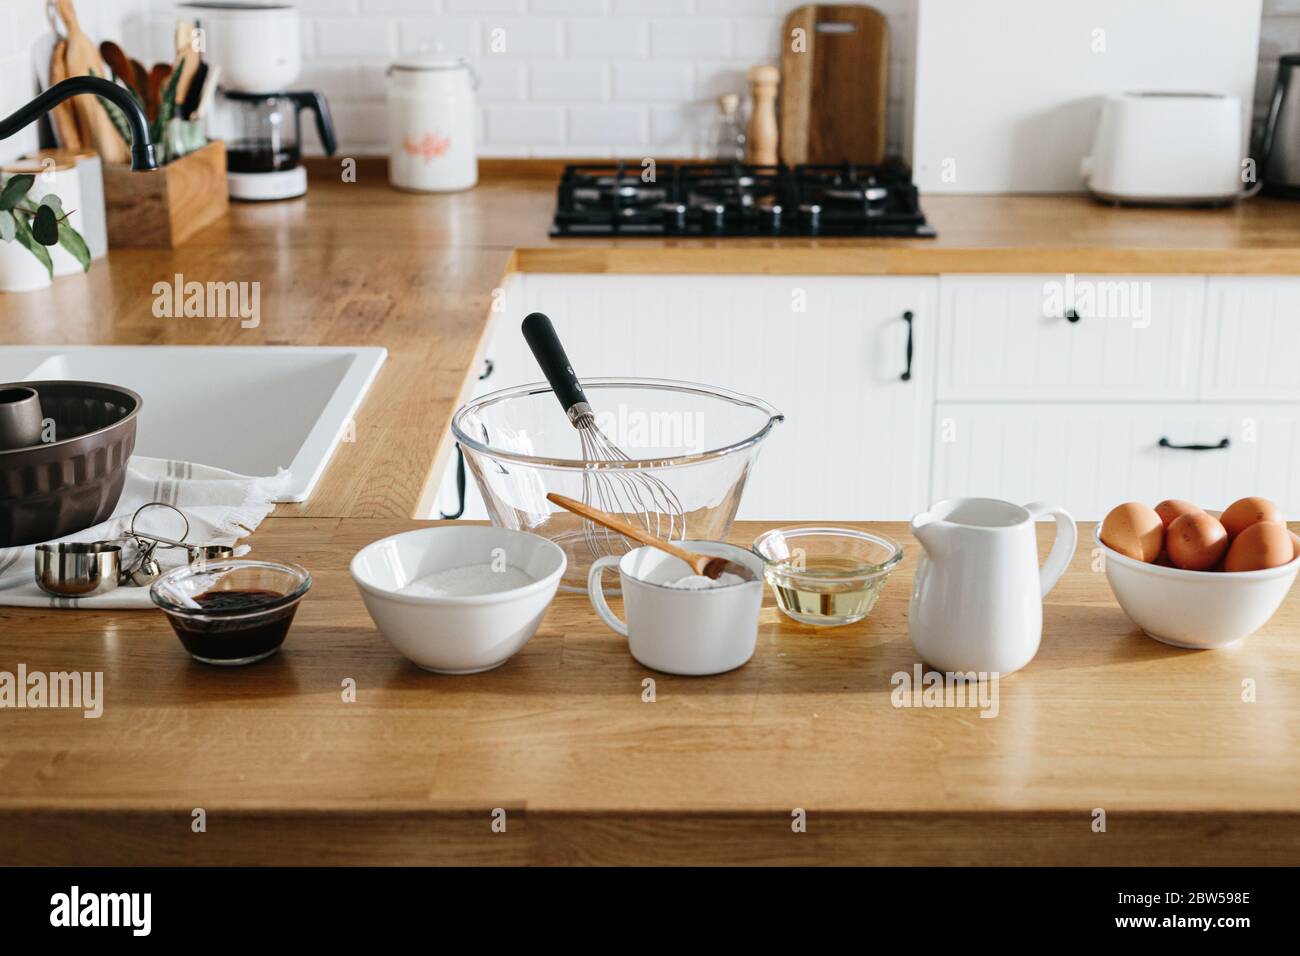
(702, 564)
(83, 59)
(187, 57)
(64, 116)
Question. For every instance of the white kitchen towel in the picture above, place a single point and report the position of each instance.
(221, 506)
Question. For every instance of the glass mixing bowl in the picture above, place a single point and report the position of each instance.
(700, 442)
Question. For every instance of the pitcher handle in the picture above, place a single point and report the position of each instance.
(1067, 536)
(596, 593)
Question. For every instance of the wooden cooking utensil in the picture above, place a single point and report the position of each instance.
(117, 60)
(64, 116)
(187, 58)
(834, 84)
(83, 59)
(701, 564)
(158, 78)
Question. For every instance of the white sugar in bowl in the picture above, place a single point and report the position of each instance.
(431, 123)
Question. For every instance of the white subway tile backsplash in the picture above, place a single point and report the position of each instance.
(607, 38)
(567, 82)
(757, 39)
(519, 36)
(427, 8)
(576, 77)
(567, 7)
(354, 36)
(524, 125)
(650, 82)
(459, 37)
(501, 80)
(713, 79)
(693, 37)
(657, 8)
(613, 125)
(474, 8)
(735, 8)
(682, 130)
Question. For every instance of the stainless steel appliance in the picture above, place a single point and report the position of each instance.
(1278, 152)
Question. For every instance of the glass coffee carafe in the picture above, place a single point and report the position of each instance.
(263, 137)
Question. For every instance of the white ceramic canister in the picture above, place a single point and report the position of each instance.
(431, 119)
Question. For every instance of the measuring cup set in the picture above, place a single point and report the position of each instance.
(86, 568)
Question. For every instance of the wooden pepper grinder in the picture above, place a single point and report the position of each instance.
(762, 120)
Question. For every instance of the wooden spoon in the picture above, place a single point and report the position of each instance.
(158, 78)
(702, 564)
(118, 62)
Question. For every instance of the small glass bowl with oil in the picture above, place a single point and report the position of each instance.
(827, 576)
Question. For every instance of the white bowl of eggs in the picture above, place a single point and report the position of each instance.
(1199, 579)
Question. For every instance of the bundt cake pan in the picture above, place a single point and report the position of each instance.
(69, 484)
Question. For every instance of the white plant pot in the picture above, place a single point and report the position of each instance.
(20, 271)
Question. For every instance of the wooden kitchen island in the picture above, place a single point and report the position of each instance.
(561, 738)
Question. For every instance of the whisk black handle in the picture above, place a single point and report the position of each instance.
(540, 335)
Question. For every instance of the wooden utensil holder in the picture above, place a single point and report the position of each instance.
(162, 209)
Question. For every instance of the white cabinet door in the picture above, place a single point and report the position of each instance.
(1252, 341)
(1069, 338)
(828, 351)
(1092, 457)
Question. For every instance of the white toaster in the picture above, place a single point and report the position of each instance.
(1167, 148)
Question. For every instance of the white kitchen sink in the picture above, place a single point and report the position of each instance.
(248, 409)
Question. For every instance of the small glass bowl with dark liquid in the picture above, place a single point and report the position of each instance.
(233, 611)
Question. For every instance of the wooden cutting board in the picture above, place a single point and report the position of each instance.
(834, 84)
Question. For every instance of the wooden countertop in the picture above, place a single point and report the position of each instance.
(558, 737)
(358, 263)
(710, 772)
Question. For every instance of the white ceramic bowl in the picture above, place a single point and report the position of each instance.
(1196, 609)
(457, 635)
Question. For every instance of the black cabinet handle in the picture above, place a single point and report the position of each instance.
(907, 375)
(1072, 316)
(488, 368)
(1166, 443)
(460, 486)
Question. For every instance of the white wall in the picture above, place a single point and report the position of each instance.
(581, 77)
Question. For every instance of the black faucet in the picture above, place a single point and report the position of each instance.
(142, 155)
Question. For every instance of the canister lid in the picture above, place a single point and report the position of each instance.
(429, 61)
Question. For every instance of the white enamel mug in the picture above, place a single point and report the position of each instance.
(679, 631)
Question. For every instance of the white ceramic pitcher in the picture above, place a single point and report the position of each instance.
(977, 601)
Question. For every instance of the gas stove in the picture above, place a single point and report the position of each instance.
(711, 199)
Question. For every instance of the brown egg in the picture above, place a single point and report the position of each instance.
(1243, 513)
(1265, 544)
(1171, 508)
(1196, 541)
(1134, 530)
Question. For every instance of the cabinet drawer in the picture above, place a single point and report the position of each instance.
(1091, 457)
(1057, 337)
(1252, 339)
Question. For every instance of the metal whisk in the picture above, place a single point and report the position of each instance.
(640, 498)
